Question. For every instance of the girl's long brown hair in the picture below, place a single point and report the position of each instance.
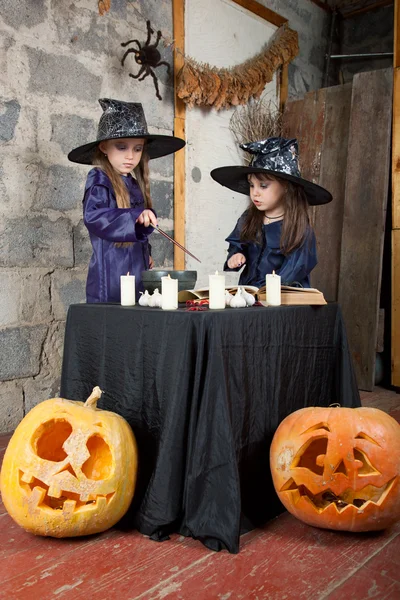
(295, 223)
(121, 192)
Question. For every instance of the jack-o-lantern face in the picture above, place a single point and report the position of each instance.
(69, 469)
(338, 468)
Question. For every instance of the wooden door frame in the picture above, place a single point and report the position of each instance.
(178, 8)
(395, 350)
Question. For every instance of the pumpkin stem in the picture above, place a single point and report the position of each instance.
(94, 396)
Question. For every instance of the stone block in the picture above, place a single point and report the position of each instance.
(82, 245)
(163, 167)
(162, 250)
(81, 29)
(57, 75)
(24, 296)
(71, 131)
(58, 188)
(11, 405)
(20, 351)
(162, 194)
(9, 114)
(23, 13)
(47, 383)
(158, 11)
(68, 287)
(36, 241)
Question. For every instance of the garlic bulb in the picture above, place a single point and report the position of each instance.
(250, 300)
(157, 298)
(238, 300)
(228, 298)
(144, 299)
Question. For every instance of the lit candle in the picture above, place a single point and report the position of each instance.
(217, 290)
(169, 293)
(273, 289)
(128, 292)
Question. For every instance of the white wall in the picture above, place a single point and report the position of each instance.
(230, 37)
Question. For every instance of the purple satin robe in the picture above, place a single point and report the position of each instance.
(108, 224)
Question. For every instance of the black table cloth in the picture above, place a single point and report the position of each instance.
(204, 393)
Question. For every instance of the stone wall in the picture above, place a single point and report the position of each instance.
(57, 57)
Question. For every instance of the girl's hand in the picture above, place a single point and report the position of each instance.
(237, 260)
(151, 262)
(147, 218)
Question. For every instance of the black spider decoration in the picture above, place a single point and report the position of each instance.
(148, 57)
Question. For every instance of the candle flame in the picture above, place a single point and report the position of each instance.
(169, 276)
(216, 272)
(273, 272)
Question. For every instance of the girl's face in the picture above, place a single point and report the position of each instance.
(267, 195)
(124, 154)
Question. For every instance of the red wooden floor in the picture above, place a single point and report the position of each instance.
(283, 561)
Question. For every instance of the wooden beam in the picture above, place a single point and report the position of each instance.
(396, 307)
(324, 5)
(179, 131)
(263, 12)
(396, 151)
(365, 9)
(395, 346)
(396, 32)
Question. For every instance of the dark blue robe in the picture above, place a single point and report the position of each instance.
(108, 224)
(267, 257)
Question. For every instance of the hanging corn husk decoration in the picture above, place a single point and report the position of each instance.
(204, 85)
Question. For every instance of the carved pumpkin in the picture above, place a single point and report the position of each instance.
(338, 468)
(69, 468)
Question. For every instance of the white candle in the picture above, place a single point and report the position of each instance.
(273, 289)
(169, 293)
(217, 290)
(128, 292)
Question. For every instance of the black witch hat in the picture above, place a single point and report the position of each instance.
(125, 120)
(273, 156)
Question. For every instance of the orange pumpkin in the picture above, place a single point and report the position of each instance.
(69, 468)
(338, 468)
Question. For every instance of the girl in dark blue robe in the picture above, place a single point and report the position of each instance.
(274, 234)
(117, 207)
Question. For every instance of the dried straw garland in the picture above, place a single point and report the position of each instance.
(203, 85)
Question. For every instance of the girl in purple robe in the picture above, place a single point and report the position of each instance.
(274, 233)
(117, 206)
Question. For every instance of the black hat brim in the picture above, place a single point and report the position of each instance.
(156, 146)
(235, 178)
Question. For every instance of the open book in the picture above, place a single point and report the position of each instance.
(292, 296)
(289, 295)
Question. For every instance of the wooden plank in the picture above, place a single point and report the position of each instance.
(367, 181)
(288, 560)
(179, 131)
(396, 307)
(396, 34)
(263, 12)
(320, 122)
(396, 151)
(368, 8)
(395, 333)
(304, 119)
(328, 221)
